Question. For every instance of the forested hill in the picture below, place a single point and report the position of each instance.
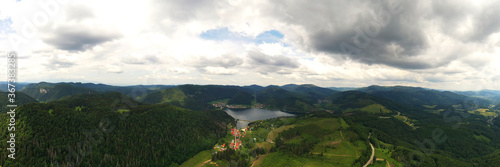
(109, 130)
(45, 91)
(19, 99)
(417, 96)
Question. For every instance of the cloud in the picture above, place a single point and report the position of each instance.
(328, 43)
(220, 71)
(271, 64)
(149, 59)
(78, 12)
(77, 38)
(369, 32)
(178, 70)
(218, 65)
(114, 69)
(226, 61)
(58, 62)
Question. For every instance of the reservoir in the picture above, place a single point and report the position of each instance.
(254, 114)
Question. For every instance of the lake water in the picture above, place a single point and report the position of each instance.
(254, 114)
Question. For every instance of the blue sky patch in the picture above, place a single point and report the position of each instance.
(5, 26)
(272, 36)
(221, 34)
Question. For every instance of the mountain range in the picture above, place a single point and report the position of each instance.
(86, 124)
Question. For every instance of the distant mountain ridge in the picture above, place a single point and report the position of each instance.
(417, 96)
(45, 91)
(493, 95)
(290, 97)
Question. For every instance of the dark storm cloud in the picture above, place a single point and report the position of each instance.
(389, 32)
(74, 38)
(486, 22)
(378, 32)
(271, 64)
(453, 14)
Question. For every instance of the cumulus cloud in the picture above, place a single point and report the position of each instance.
(269, 64)
(77, 38)
(58, 62)
(114, 69)
(328, 42)
(148, 59)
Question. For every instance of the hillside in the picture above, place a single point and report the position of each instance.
(493, 95)
(19, 85)
(358, 101)
(131, 91)
(310, 90)
(284, 100)
(172, 96)
(20, 99)
(110, 130)
(37, 90)
(419, 97)
(241, 97)
(46, 92)
(323, 139)
(195, 97)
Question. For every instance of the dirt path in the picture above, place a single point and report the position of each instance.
(373, 153)
(259, 158)
(336, 155)
(342, 135)
(207, 161)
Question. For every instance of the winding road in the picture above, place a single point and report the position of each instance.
(373, 152)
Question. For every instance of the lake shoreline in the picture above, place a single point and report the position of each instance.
(254, 114)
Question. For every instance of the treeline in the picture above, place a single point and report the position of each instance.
(110, 130)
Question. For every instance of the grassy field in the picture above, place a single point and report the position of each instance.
(342, 148)
(405, 119)
(267, 146)
(198, 159)
(482, 138)
(323, 123)
(260, 134)
(260, 160)
(483, 112)
(274, 133)
(343, 124)
(330, 148)
(282, 159)
(386, 155)
(121, 111)
(376, 108)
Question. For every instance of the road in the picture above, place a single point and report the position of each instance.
(490, 121)
(373, 152)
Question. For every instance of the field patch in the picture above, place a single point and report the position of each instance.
(198, 159)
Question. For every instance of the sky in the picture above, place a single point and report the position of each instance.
(445, 44)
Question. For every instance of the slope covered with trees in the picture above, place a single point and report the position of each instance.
(282, 99)
(20, 99)
(242, 97)
(109, 130)
(46, 92)
(418, 97)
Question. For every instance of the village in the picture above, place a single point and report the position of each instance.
(221, 105)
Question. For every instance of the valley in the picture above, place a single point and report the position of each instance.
(214, 125)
